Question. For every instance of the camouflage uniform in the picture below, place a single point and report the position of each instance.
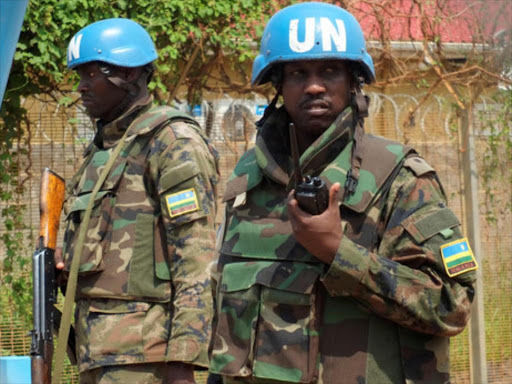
(383, 310)
(143, 293)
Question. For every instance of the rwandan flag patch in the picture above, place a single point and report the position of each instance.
(458, 257)
(182, 202)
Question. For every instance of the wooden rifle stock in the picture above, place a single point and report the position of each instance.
(41, 365)
(53, 189)
(44, 281)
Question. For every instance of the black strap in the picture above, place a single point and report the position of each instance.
(268, 111)
(361, 103)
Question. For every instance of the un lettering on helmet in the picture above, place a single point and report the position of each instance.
(311, 31)
(74, 47)
(330, 33)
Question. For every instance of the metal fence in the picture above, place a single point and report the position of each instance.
(57, 143)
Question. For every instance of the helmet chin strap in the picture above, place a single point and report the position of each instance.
(135, 90)
(360, 102)
(270, 108)
(131, 88)
(276, 76)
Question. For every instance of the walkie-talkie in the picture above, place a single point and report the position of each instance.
(310, 192)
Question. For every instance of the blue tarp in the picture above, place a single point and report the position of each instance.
(15, 369)
(11, 19)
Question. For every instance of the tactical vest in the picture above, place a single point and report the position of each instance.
(383, 159)
(125, 254)
(265, 271)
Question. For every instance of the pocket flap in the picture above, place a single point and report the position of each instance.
(80, 203)
(283, 276)
(118, 306)
(92, 174)
(176, 175)
(424, 227)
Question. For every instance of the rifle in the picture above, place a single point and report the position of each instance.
(46, 316)
(310, 192)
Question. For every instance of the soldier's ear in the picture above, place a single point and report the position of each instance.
(357, 78)
(276, 76)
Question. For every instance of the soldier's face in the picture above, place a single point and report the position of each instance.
(315, 92)
(99, 96)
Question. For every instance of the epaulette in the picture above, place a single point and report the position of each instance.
(418, 165)
(157, 116)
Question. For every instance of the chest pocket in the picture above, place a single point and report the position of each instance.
(100, 224)
(267, 323)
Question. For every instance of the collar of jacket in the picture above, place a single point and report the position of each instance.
(271, 155)
(108, 135)
(329, 157)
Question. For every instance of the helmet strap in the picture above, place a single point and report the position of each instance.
(270, 108)
(360, 102)
(135, 90)
(130, 97)
(131, 88)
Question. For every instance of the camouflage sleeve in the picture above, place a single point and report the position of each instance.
(215, 275)
(187, 178)
(406, 280)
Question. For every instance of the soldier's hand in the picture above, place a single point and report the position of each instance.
(180, 373)
(59, 262)
(60, 277)
(319, 234)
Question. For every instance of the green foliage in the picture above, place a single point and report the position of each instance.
(14, 261)
(221, 29)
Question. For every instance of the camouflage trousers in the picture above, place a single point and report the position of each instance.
(154, 373)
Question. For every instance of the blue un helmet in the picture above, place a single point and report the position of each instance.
(309, 31)
(120, 42)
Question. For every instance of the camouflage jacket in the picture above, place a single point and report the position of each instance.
(151, 234)
(381, 312)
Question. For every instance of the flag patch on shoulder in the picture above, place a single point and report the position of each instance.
(458, 257)
(182, 202)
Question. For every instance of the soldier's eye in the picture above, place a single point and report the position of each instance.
(294, 73)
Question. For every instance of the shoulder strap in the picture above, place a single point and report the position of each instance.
(361, 104)
(157, 116)
(377, 159)
(418, 165)
(75, 263)
(355, 162)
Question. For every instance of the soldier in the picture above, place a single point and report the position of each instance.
(367, 291)
(143, 297)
